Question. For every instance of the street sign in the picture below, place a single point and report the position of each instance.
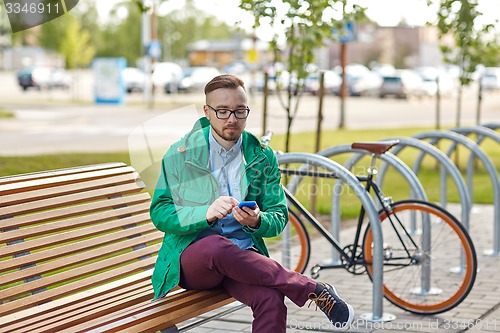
(347, 34)
(153, 49)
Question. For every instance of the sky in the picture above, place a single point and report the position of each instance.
(384, 12)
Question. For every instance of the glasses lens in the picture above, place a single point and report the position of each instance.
(241, 113)
(223, 113)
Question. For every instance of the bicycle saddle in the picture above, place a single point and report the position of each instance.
(375, 147)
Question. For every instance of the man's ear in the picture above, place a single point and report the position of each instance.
(207, 113)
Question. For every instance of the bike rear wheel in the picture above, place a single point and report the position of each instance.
(430, 262)
(292, 247)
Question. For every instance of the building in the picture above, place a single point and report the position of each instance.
(402, 46)
(220, 53)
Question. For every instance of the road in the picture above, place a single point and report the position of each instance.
(68, 121)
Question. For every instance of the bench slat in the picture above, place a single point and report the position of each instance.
(69, 199)
(112, 305)
(72, 223)
(81, 257)
(73, 287)
(85, 298)
(50, 183)
(170, 311)
(157, 322)
(66, 212)
(53, 173)
(52, 253)
(74, 235)
(80, 271)
(58, 191)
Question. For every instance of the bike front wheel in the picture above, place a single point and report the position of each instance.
(429, 260)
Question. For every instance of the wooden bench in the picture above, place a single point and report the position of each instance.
(77, 250)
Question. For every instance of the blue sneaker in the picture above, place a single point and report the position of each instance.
(340, 314)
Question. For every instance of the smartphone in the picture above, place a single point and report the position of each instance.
(249, 204)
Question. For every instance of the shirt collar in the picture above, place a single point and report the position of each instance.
(217, 148)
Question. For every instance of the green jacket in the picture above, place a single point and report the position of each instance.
(186, 188)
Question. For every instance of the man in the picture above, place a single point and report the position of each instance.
(209, 241)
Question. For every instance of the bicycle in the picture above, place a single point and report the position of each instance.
(421, 242)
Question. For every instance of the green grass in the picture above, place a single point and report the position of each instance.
(394, 185)
(5, 113)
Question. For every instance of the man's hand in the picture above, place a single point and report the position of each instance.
(221, 207)
(247, 216)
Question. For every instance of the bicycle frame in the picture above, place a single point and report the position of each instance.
(349, 259)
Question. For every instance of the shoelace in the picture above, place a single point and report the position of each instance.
(324, 301)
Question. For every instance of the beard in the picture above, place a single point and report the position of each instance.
(229, 133)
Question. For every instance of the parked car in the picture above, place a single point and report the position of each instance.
(275, 81)
(490, 79)
(331, 82)
(166, 72)
(402, 84)
(43, 78)
(194, 78)
(134, 79)
(360, 80)
(434, 78)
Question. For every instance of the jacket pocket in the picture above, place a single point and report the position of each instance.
(191, 197)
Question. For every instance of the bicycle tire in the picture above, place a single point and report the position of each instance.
(297, 255)
(450, 245)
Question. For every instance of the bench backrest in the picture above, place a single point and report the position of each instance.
(70, 230)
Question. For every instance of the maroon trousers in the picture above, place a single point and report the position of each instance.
(251, 278)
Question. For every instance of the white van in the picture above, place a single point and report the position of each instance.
(490, 79)
(165, 73)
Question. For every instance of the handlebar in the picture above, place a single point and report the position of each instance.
(266, 138)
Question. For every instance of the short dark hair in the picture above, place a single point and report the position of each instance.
(224, 81)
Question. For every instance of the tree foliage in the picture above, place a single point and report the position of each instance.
(120, 34)
(75, 46)
(181, 27)
(473, 44)
(458, 18)
(305, 26)
(74, 28)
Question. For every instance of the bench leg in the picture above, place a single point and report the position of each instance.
(172, 329)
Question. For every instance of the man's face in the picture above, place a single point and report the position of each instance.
(230, 129)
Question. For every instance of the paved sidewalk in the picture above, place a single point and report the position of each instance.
(479, 312)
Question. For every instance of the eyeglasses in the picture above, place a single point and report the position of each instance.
(240, 113)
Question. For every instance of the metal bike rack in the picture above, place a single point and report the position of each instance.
(388, 158)
(435, 136)
(482, 133)
(342, 173)
(492, 126)
(445, 163)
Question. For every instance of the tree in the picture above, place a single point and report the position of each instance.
(75, 46)
(306, 24)
(121, 36)
(182, 27)
(458, 18)
(51, 35)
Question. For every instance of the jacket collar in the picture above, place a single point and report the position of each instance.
(196, 144)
